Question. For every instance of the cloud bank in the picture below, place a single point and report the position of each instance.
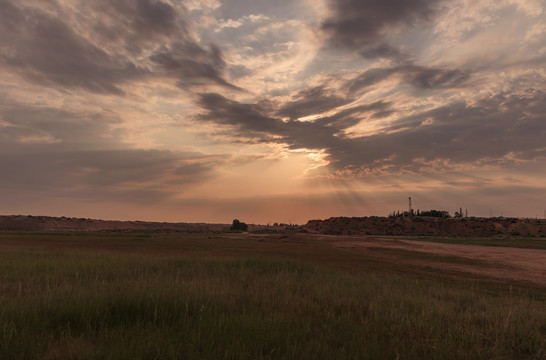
(152, 107)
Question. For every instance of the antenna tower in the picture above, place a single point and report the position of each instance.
(410, 210)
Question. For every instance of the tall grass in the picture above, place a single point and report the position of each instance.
(115, 305)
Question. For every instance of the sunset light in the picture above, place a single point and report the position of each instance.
(203, 111)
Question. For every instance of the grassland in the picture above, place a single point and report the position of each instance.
(172, 296)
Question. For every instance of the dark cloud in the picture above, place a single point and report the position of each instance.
(420, 77)
(80, 154)
(354, 115)
(10, 15)
(153, 16)
(434, 78)
(312, 101)
(484, 133)
(362, 82)
(144, 24)
(364, 25)
(34, 124)
(251, 121)
(238, 71)
(112, 47)
(381, 51)
(191, 64)
(235, 9)
(488, 131)
(124, 174)
(45, 50)
(137, 25)
(247, 117)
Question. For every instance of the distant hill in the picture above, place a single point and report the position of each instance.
(428, 226)
(373, 225)
(49, 223)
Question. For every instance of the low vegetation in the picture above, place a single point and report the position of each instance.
(402, 225)
(170, 296)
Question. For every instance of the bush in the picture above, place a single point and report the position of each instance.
(238, 226)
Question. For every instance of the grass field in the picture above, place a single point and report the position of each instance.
(172, 296)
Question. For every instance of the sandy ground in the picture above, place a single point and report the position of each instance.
(527, 265)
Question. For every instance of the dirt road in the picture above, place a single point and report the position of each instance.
(527, 265)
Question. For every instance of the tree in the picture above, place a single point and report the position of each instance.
(435, 213)
(459, 214)
(238, 226)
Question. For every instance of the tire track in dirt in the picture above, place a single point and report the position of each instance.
(505, 263)
(497, 262)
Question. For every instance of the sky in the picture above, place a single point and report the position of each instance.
(271, 111)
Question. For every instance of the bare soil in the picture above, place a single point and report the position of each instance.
(505, 263)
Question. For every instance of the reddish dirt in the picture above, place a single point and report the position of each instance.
(505, 263)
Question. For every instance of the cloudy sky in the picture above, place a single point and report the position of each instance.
(271, 111)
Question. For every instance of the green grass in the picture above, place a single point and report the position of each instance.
(170, 296)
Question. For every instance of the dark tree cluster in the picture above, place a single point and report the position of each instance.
(435, 213)
(238, 226)
(425, 213)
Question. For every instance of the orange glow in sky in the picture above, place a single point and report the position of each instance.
(285, 111)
